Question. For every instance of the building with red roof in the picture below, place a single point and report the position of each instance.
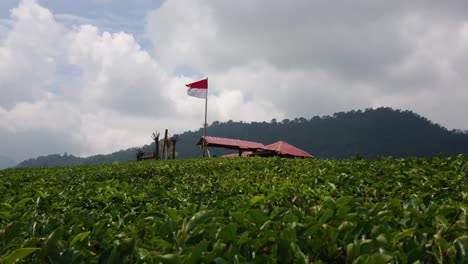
(250, 148)
(285, 149)
(230, 143)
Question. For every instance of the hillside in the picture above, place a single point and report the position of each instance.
(369, 133)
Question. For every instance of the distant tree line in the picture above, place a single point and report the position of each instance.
(369, 133)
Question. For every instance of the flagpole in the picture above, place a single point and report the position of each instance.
(196, 89)
(204, 131)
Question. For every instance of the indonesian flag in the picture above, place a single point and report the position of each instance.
(198, 89)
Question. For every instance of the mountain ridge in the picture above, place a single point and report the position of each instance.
(368, 133)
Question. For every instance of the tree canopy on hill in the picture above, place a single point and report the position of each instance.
(369, 133)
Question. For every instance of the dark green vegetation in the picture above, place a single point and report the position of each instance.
(371, 133)
(238, 210)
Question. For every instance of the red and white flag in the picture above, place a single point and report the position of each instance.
(198, 89)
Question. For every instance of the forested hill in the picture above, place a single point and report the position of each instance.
(369, 133)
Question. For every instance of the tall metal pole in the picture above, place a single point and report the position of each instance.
(204, 130)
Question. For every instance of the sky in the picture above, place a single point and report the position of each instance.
(97, 76)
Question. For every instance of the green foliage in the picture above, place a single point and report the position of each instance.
(257, 210)
(18, 254)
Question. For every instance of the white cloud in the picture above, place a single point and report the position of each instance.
(67, 84)
(5, 25)
(180, 31)
(75, 88)
(49, 125)
(111, 101)
(28, 54)
(117, 74)
(317, 57)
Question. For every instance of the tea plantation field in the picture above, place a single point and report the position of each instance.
(256, 210)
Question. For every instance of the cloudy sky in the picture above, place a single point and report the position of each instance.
(97, 76)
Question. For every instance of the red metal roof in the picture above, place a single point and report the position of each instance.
(231, 143)
(283, 148)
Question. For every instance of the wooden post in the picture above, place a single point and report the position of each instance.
(139, 154)
(157, 146)
(202, 146)
(155, 137)
(174, 140)
(165, 145)
(173, 150)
